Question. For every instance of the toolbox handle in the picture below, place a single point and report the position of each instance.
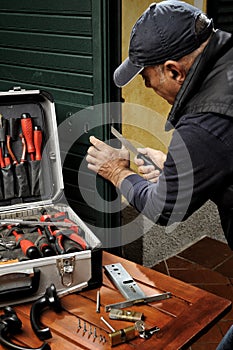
(22, 292)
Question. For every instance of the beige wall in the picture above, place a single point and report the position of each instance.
(136, 93)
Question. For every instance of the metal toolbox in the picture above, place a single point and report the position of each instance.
(31, 183)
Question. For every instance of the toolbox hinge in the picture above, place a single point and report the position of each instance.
(66, 269)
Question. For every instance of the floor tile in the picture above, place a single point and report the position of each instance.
(207, 264)
(207, 252)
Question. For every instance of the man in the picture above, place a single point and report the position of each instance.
(179, 55)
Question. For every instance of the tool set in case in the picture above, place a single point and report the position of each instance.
(42, 240)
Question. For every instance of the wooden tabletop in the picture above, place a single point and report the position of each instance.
(181, 319)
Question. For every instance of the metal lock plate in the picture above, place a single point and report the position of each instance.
(66, 270)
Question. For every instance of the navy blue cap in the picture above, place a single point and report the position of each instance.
(165, 31)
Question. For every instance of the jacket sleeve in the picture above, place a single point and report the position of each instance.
(194, 169)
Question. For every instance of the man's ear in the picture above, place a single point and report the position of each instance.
(175, 70)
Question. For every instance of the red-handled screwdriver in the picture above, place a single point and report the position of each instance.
(38, 141)
(27, 129)
(2, 163)
(28, 248)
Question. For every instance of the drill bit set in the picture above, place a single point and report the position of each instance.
(42, 240)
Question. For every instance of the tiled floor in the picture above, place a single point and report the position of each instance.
(208, 264)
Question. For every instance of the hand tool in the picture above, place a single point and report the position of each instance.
(24, 148)
(130, 147)
(73, 233)
(27, 129)
(58, 217)
(11, 135)
(49, 299)
(11, 324)
(129, 288)
(7, 244)
(37, 141)
(42, 242)
(28, 248)
(2, 162)
(2, 140)
(22, 222)
(66, 241)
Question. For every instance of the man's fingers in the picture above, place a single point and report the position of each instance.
(97, 143)
(146, 169)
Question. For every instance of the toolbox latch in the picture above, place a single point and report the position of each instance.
(66, 269)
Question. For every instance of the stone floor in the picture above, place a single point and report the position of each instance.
(207, 264)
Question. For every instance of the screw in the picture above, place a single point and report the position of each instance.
(84, 327)
(79, 324)
(90, 331)
(95, 333)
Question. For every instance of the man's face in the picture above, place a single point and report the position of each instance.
(162, 82)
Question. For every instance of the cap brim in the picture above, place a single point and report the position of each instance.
(126, 72)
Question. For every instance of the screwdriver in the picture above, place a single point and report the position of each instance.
(27, 129)
(37, 141)
(28, 248)
(43, 244)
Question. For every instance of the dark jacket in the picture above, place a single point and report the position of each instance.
(199, 163)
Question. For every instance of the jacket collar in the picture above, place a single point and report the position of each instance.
(218, 45)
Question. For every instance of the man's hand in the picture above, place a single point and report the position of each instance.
(110, 163)
(148, 171)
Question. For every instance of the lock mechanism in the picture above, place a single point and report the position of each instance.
(66, 269)
(122, 335)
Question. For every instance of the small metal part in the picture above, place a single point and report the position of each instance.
(90, 330)
(125, 315)
(140, 326)
(66, 269)
(104, 339)
(95, 333)
(122, 335)
(98, 302)
(84, 327)
(107, 324)
(143, 331)
(79, 324)
(101, 337)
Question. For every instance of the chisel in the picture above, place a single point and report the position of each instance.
(130, 147)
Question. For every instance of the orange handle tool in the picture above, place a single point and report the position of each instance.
(2, 163)
(28, 248)
(38, 141)
(27, 129)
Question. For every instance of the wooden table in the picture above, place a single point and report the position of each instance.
(181, 319)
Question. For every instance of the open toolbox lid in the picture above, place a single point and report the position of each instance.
(40, 107)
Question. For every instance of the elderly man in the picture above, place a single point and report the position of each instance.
(179, 54)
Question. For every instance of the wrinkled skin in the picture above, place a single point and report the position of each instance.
(111, 163)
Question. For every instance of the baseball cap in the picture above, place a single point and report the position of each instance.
(166, 30)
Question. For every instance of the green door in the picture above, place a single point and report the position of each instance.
(70, 49)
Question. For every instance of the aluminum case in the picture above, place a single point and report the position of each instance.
(27, 280)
